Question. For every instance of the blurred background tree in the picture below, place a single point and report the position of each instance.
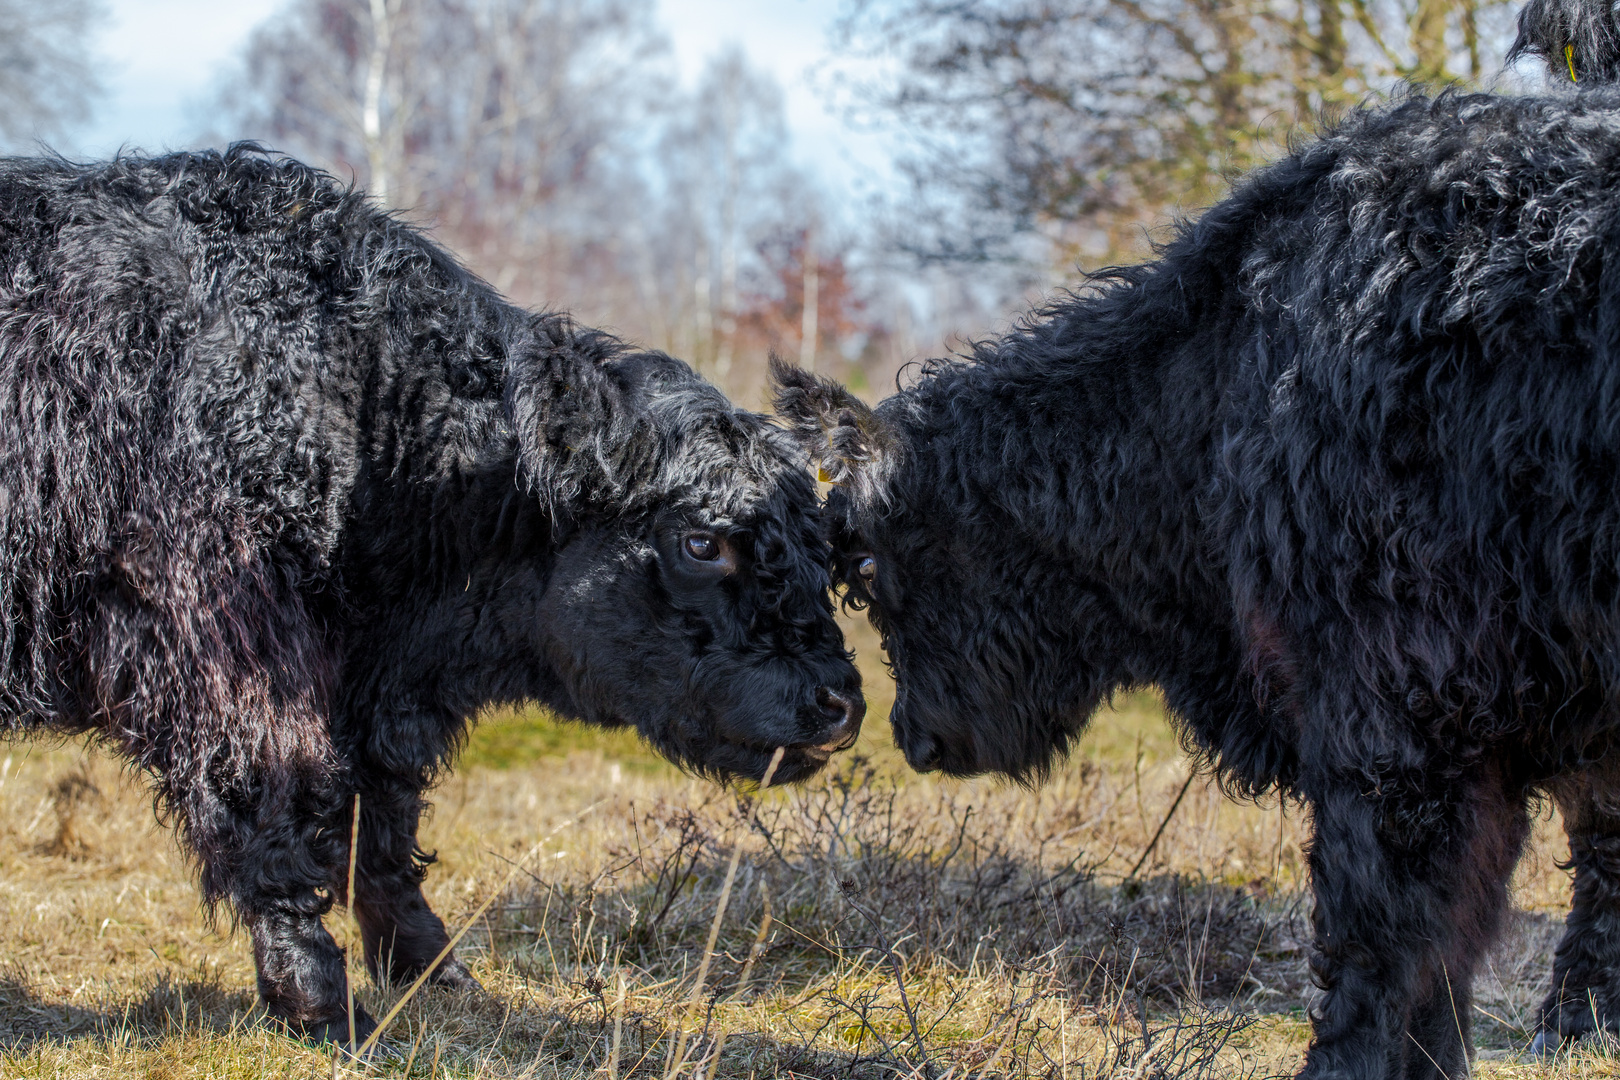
(504, 123)
(553, 146)
(548, 143)
(1047, 130)
(46, 81)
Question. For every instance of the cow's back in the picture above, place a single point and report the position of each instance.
(1424, 440)
(171, 429)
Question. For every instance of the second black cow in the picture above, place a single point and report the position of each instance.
(1337, 472)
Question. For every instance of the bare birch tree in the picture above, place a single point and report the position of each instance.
(384, 13)
(728, 184)
(810, 304)
(548, 145)
(505, 122)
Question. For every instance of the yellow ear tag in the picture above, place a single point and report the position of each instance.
(821, 474)
(1569, 58)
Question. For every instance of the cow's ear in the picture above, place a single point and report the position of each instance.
(578, 424)
(850, 444)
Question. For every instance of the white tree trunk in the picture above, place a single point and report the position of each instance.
(732, 108)
(371, 116)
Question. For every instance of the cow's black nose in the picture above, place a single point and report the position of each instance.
(843, 712)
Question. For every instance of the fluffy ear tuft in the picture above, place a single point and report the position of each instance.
(849, 443)
(577, 425)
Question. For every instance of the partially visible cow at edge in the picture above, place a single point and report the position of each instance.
(1337, 470)
(287, 496)
(1577, 40)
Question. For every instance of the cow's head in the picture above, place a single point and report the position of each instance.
(1000, 653)
(688, 593)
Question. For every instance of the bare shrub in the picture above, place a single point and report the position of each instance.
(891, 907)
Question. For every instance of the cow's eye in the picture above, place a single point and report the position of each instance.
(704, 547)
(866, 569)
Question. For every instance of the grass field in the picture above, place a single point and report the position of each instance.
(876, 924)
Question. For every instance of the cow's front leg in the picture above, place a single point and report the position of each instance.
(1470, 886)
(1410, 886)
(393, 756)
(399, 931)
(1585, 992)
(269, 850)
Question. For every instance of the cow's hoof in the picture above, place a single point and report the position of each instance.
(453, 975)
(334, 1034)
(1545, 1044)
(358, 1052)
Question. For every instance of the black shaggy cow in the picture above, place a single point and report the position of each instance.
(1578, 40)
(286, 496)
(1338, 472)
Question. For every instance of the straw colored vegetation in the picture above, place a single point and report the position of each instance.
(875, 924)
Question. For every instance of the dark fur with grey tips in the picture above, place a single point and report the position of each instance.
(1589, 29)
(287, 496)
(1337, 471)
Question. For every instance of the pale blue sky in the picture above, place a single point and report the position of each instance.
(160, 59)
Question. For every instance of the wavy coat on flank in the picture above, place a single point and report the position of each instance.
(287, 497)
(1337, 470)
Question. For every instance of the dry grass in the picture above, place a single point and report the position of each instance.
(879, 924)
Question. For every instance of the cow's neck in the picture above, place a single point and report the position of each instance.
(1105, 419)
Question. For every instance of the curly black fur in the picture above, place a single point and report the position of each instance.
(287, 496)
(1337, 472)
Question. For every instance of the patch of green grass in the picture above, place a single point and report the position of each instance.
(515, 738)
(518, 738)
(1133, 724)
